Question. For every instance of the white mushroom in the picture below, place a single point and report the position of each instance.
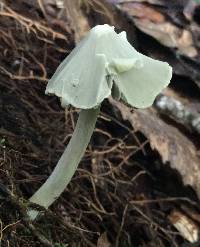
(103, 63)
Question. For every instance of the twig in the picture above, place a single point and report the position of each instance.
(168, 199)
(121, 226)
(31, 25)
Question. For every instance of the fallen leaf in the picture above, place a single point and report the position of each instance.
(103, 241)
(154, 23)
(74, 13)
(186, 226)
(144, 12)
(173, 146)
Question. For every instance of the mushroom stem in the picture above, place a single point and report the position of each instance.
(68, 162)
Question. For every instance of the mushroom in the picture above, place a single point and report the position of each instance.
(104, 63)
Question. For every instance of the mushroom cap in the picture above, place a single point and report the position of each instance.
(105, 63)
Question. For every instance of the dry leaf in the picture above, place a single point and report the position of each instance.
(103, 241)
(142, 11)
(165, 32)
(186, 226)
(74, 13)
(172, 145)
(152, 22)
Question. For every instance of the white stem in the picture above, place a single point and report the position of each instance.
(68, 162)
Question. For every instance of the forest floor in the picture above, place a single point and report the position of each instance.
(139, 181)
